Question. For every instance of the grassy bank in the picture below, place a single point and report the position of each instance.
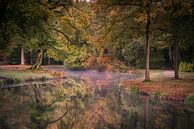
(22, 72)
(21, 75)
(162, 84)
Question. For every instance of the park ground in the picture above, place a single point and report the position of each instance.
(162, 84)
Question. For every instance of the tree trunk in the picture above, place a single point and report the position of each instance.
(129, 63)
(146, 109)
(176, 60)
(22, 56)
(173, 119)
(49, 61)
(171, 56)
(5, 59)
(38, 95)
(147, 65)
(39, 59)
(31, 61)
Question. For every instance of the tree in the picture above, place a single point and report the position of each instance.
(72, 32)
(22, 56)
(177, 29)
(25, 20)
(145, 17)
(139, 14)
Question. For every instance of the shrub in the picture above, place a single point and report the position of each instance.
(157, 94)
(186, 67)
(3, 123)
(134, 89)
(190, 100)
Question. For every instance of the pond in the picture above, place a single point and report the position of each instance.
(87, 101)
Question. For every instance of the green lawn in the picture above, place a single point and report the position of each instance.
(159, 75)
(24, 74)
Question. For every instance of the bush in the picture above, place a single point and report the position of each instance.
(186, 67)
(190, 100)
(134, 89)
(157, 94)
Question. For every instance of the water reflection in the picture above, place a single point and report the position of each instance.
(86, 103)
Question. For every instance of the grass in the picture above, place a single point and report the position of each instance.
(187, 75)
(157, 75)
(23, 74)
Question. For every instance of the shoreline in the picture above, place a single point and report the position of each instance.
(163, 84)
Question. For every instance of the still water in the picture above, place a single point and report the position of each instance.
(87, 101)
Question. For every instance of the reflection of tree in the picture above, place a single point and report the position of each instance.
(75, 105)
(50, 107)
(109, 109)
(41, 107)
(3, 123)
(12, 103)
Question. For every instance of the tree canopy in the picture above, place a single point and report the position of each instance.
(140, 33)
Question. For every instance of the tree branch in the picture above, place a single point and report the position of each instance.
(161, 29)
(53, 121)
(125, 4)
(61, 33)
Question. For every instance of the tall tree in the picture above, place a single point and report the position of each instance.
(22, 56)
(145, 17)
(72, 31)
(177, 29)
(25, 20)
(137, 16)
